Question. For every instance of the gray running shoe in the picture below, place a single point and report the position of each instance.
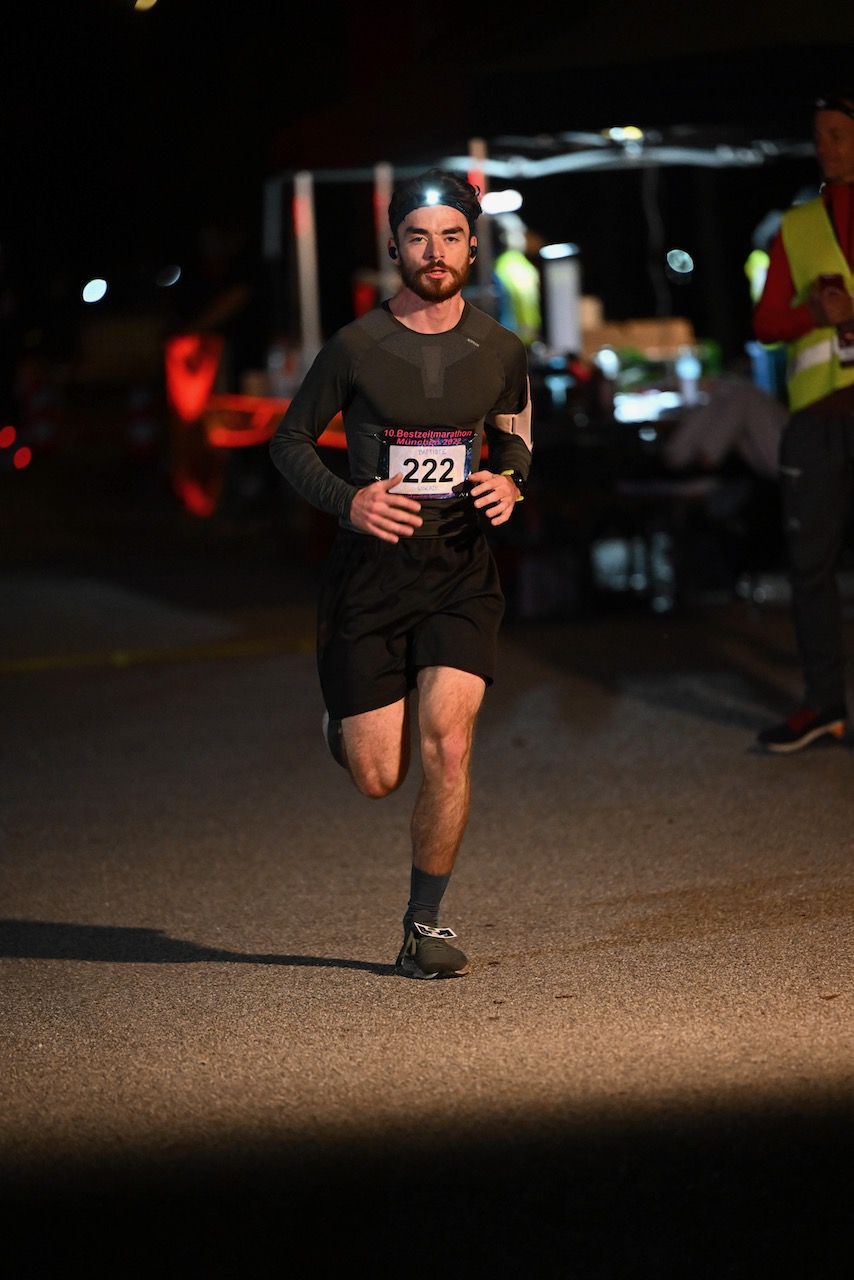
(427, 952)
(334, 739)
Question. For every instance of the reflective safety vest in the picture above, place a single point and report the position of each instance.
(521, 279)
(813, 369)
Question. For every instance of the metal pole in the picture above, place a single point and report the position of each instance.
(487, 294)
(309, 287)
(387, 276)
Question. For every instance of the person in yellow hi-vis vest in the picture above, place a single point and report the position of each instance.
(808, 303)
(518, 281)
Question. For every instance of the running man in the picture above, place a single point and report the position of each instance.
(411, 600)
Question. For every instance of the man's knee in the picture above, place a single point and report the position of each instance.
(376, 747)
(377, 786)
(447, 754)
(378, 777)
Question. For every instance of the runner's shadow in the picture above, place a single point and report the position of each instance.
(52, 940)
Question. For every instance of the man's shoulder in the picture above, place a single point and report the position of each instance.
(371, 327)
(479, 324)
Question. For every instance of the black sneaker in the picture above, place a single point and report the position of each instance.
(427, 951)
(802, 727)
(334, 739)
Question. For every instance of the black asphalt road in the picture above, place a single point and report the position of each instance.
(209, 1066)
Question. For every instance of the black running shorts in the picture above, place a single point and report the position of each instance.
(387, 609)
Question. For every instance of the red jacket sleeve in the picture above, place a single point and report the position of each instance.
(774, 317)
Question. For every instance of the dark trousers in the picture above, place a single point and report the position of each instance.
(816, 479)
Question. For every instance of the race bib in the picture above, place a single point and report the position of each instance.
(435, 462)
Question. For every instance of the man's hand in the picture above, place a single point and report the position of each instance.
(388, 516)
(828, 304)
(496, 494)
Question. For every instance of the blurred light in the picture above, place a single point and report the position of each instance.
(94, 291)
(644, 406)
(607, 360)
(22, 458)
(689, 370)
(680, 261)
(629, 133)
(477, 178)
(167, 276)
(8, 436)
(431, 196)
(142, 5)
(557, 385)
(501, 202)
(756, 270)
(195, 498)
(192, 363)
(559, 251)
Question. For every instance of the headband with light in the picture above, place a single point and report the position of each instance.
(835, 104)
(431, 196)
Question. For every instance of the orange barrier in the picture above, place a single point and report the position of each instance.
(235, 421)
(205, 426)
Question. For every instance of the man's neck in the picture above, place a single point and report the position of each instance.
(426, 317)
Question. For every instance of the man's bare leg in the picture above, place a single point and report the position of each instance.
(376, 748)
(448, 703)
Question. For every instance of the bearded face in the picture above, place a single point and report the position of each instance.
(434, 247)
(431, 289)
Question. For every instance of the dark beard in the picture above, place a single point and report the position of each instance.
(435, 290)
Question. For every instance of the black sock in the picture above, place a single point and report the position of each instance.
(425, 894)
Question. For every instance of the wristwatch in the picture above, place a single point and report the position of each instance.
(519, 481)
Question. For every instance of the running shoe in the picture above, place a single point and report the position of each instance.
(802, 727)
(427, 951)
(334, 739)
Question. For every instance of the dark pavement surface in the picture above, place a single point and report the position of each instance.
(208, 1064)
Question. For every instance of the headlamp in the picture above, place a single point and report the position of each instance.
(835, 104)
(431, 196)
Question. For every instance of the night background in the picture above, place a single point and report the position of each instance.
(127, 132)
(208, 1062)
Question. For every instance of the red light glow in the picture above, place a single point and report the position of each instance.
(196, 500)
(8, 436)
(364, 297)
(302, 214)
(192, 362)
(235, 421)
(22, 458)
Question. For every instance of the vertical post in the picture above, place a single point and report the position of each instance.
(272, 234)
(309, 287)
(562, 288)
(387, 276)
(271, 231)
(487, 293)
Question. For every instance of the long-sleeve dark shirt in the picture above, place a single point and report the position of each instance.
(384, 377)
